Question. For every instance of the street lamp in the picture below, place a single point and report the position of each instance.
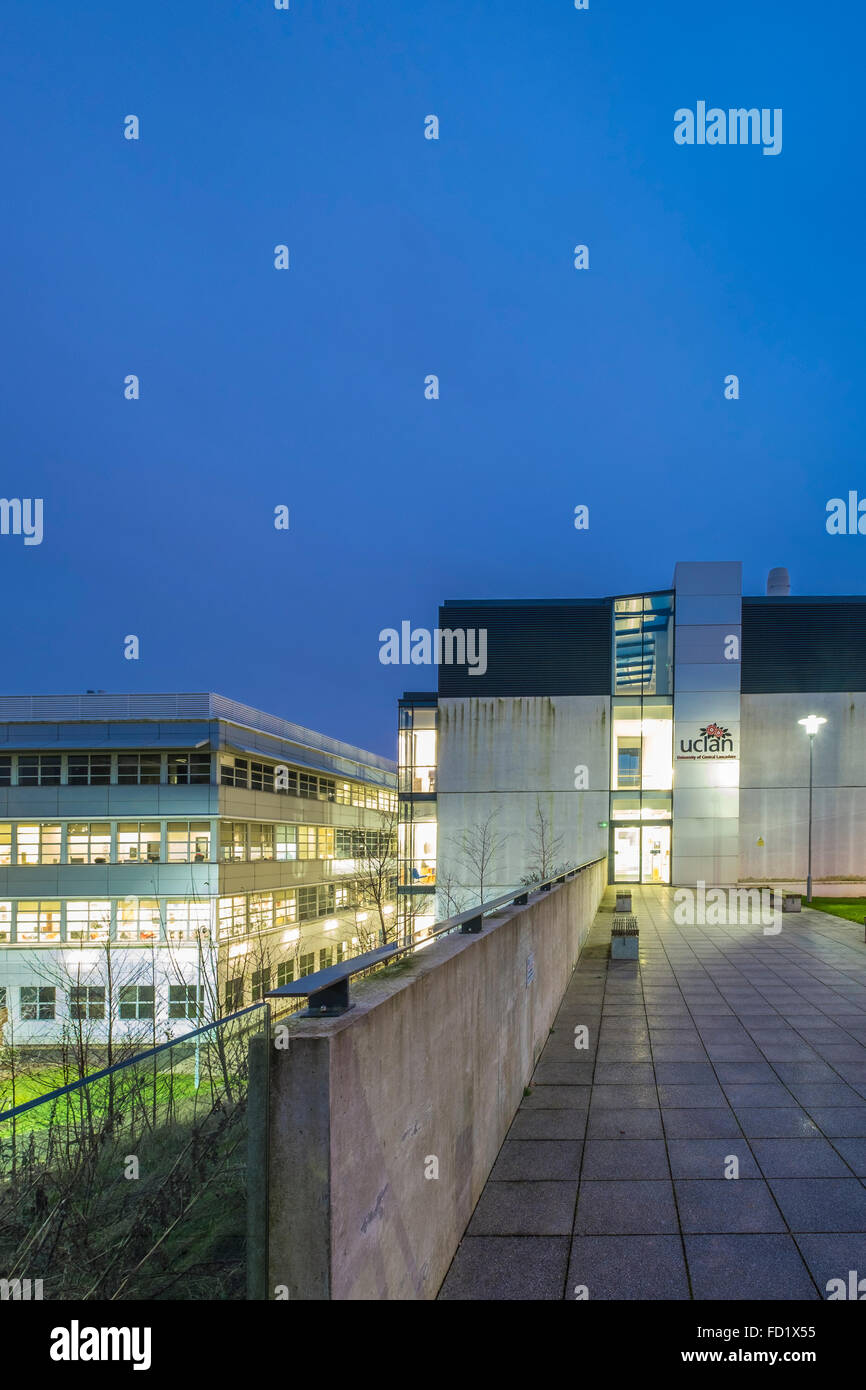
(811, 724)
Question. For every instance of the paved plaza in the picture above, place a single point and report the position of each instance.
(719, 1044)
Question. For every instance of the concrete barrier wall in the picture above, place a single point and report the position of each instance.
(386, 1122)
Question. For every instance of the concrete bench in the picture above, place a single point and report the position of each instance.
(624, 939)
(623, 901)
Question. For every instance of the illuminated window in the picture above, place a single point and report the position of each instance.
(5, 921)
(38, 844)
(38, 921)
(233, 916)
(261, 910)
(89, 843)
(188, 842)
(261, 841)
(233, 840)
(138, 842)
(285, 909)
(287, 842)
(88, 920)
(137, 919)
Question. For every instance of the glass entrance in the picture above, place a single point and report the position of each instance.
(626, 854)
(656, 854)
(641, 853)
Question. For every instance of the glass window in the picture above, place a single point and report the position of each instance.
(285, 972)
(261, 984)
(234, 772)
(285, 908)
(261, 841)
(306, 964)
(286, 841)
(138, 769)
(186, 918)
(39, 769)
(38, 1002)
(87, 1001)
(138, 842)
(6, 843)
(306, 842)
(88, 920)
(136, 1001)
(6, 921)
(642, 745)
(416, 842)
(233, 840)
(137, 919)
(233, 915)
(89, 843)
(188, 769)
(38, 921)
(88, 769)
(643, 645)
(6, 770)
(261, 911)
(185, 1001)
(262, 777)
(234, 994)
(188, 841)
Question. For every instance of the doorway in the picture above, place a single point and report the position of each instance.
(641, 853)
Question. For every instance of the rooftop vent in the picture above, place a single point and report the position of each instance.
(778, 583)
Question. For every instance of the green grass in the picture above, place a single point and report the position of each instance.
(852, 909)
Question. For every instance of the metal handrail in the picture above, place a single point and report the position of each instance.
(470, 918)
(134, 1060)
(517, 899)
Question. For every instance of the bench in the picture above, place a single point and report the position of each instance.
(624, 939)
(327, 991)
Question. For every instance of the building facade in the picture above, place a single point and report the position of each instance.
(165, 859)
(661, 729)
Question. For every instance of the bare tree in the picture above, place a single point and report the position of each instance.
(481, 846)
(545, 850)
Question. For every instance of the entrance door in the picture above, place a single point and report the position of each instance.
(626, 854)
(656, 854)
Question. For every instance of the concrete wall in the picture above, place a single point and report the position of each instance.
(430, 1064)
(774, 791)
(506, 755)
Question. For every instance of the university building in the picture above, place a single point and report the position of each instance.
(661, 729)
(168, 858)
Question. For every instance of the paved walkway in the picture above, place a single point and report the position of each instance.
(721, 1042)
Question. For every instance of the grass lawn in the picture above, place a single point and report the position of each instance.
(853, 909)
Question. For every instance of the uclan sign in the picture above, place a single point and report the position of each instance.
(713, 739)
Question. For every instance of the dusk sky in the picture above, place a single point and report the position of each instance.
(409, 256)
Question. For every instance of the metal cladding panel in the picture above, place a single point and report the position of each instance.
(803, 645)
(533, 649)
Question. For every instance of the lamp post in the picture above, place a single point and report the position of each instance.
(811, 724)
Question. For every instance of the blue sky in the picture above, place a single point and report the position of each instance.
(411, 257)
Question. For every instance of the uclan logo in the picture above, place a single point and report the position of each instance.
(714, 739)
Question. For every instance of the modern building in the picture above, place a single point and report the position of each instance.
(167, 858)
(661, 729)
